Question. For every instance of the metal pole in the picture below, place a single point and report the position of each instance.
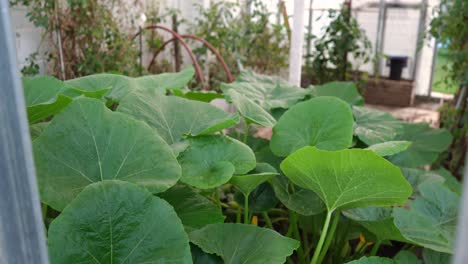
(380, 37)
(419, 37)
(433, 64)
(309, 31)
(22, 235)
(461, 254)
(296, 49)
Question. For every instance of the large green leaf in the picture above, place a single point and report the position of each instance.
(266, 91)
(346, 91)
(431, 219)
(378, 220)
(300, 200)
(406, 257)
(43, 97)
(193, 209)
(174, 117)
(450, 181)
(87, 143)
(261, 199)
(374, 126)
(244, 244)
(118, 222)
(428, 143)
(122, 85)
(41, 89)
(203, 96)
(373, 260)
(251, 111)
(416, 177)
(35, 130)
(348, 178)
(210, 161)
(247, 183)
(324, 122)
(434, 257)
(390, 147)
(200, 257)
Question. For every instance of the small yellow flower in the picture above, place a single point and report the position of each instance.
(254, 220)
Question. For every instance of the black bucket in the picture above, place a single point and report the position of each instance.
(396, 63)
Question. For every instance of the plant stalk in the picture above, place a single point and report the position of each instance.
(375, 248)
(246, 132)
(238, 215)
(315, 258)
(246, 209)
(331, 234)
(267, 220)
(297, 235)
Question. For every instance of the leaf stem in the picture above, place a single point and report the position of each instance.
(331, 234)
(297, 236)
(246, 131)
(375, 248)
(246, 209)
(267, 220)
(322, 238)
(218, 201)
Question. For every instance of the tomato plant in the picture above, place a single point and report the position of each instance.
(143, 170)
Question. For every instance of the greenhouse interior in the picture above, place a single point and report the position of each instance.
(235, 131)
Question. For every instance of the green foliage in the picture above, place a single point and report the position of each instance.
(373, 260)
(448, 26)
(194, 210)
(210, 161)
(390, 147)
(236, 243)
(115, 221)
(330, 126)
(427, 144)
(347, 178)
(176, 118)
(92, 39)
(242, 37)
(374, 126)
(431, 219)
(343, 39)
(100, 145)
(346, 91)
(122, 85)
(111, 169)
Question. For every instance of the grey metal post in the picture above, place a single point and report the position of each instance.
(419, 37)
(22, 237)
(309, 31)
(381, 20)
(461, 254)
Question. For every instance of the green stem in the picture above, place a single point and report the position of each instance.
(246, 131)
(331, 234)
(375, 248)
(246, 209)
(267, 220)
(218, 201)
(297, 236)
(306, 247)
(238, 215)
(322, 239)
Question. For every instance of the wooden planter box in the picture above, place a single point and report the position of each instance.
(388, 92)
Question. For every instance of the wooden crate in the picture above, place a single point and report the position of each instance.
(388, 92)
